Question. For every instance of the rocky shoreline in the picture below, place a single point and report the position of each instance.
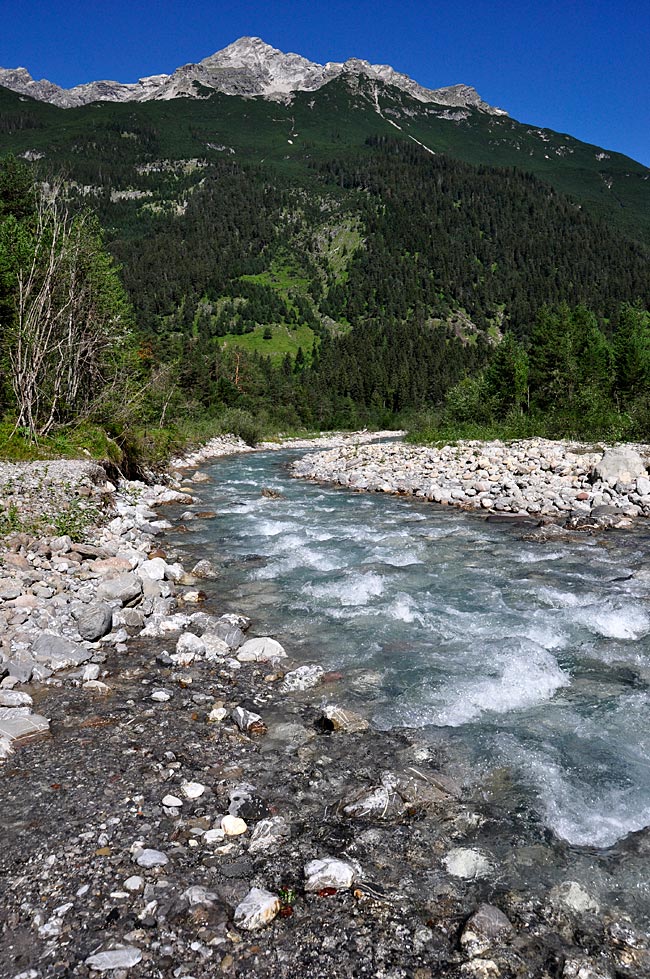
(181, 800)
(578, 485)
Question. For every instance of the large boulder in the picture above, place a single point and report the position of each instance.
(95, 621)
(622, 464)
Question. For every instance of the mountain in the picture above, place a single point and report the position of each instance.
(337, 220)
(246, 68)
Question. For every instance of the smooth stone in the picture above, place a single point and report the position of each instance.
(192, 790)
(151, 858)
(488, 926)
(172, 802)
(124, 588)
(467, 863)
(328, 872)
(134, 883)
(217, 714)
(95, 621)
(258, 908)
(233, 825)
(262, 650)
(161, 696)
(117, 958)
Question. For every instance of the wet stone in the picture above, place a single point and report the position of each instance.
(487, 927)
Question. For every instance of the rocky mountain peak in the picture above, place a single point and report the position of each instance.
(248, 67)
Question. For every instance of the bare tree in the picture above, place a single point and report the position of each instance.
(71, 318)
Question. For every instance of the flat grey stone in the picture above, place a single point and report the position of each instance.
(58, 653)
(19, 722)
(123, 588)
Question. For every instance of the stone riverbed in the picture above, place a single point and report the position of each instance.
(179, 799)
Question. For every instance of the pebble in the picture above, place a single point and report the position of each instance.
(134, 883)
(328, 872)
(150, 858)
(233, 825)
(172, 802)
(467, 863)
(161, 696)
(192, 790)
(258, 908)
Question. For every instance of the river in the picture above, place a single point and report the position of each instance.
(528, 662)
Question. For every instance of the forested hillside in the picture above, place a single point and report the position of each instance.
(311, 265)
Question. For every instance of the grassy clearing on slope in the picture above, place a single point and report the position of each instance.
(284, 340)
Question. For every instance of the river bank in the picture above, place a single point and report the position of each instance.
(196, 786)
(586, 486)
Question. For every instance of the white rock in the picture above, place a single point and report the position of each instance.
(197, 894)
(161, 696)
(262, 650)
(96, 686)
(134, 883)
(117, 958)
(214, 647)
(189, 643)
(15, 698)
(303, 678)
(151, 858)
(268, 833)
(328, 872)
(233, 825)
(467, 863)
(155, 569)
(258, 908)
(192, 790)
(213, 836)
(172, 802)
(217, 714)
(246, 720)
(572, 895)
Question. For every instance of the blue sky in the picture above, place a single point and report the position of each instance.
(578, 67)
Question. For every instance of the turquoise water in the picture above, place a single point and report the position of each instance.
(530, 659)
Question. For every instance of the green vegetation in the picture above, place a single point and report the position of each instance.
(347, 278)
(573, 380)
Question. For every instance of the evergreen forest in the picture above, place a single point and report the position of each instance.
(366, 282)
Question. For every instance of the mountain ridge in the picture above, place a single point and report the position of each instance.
(248, 67)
